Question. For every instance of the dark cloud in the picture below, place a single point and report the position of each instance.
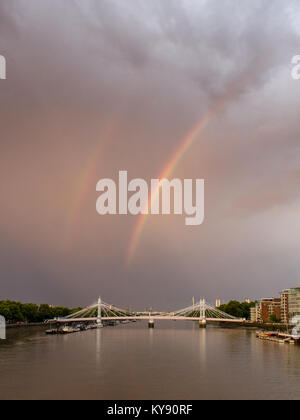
(98, 86)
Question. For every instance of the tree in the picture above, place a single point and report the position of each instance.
(11, 311)
(274, 319)
(30, 312)
(60, 312)
(5, 310)
(237, 309)
(45, 312)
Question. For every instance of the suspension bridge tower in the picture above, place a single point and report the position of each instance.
(99, 316)
(202, 318)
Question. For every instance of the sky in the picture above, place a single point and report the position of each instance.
(94, 87)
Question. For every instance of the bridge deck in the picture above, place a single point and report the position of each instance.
(147, 318)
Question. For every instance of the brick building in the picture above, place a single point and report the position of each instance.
(268, 307)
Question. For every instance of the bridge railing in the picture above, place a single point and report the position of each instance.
(102, 311)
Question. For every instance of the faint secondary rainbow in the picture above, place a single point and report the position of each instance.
(168, 170)
(87, 179)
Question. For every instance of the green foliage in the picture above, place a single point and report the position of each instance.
(74, 310)
(274, 319)
(45, 312)
(11, 310)
(238, 309)
(29, 312)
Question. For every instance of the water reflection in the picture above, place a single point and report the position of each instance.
(98, 345)
(172, 361)
(202, 346)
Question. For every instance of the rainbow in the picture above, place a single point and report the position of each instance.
(167, 172)
(86, 180)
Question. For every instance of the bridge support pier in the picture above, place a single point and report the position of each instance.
(202, 323)
(151, 323)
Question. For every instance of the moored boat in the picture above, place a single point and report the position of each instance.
(52, 332)
(69, 330)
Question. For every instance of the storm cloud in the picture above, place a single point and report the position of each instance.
(94, 87)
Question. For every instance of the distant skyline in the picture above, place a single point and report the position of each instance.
(161, 88)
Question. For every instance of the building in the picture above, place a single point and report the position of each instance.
(285, 308)
(290, 304)
(294, 302)
(248, 301)
(268, 307)
(254, 314)
(284, 296)
(218, 303)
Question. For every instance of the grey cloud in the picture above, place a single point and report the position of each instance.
(149, 70)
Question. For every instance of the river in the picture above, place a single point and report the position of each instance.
(128, 362)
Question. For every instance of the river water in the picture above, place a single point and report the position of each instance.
(173, 361)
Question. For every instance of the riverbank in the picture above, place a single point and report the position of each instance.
(271, 327)
(34, 324)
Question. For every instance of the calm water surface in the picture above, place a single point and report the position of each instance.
(173, 361)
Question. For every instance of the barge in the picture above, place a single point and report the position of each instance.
(276, 337)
